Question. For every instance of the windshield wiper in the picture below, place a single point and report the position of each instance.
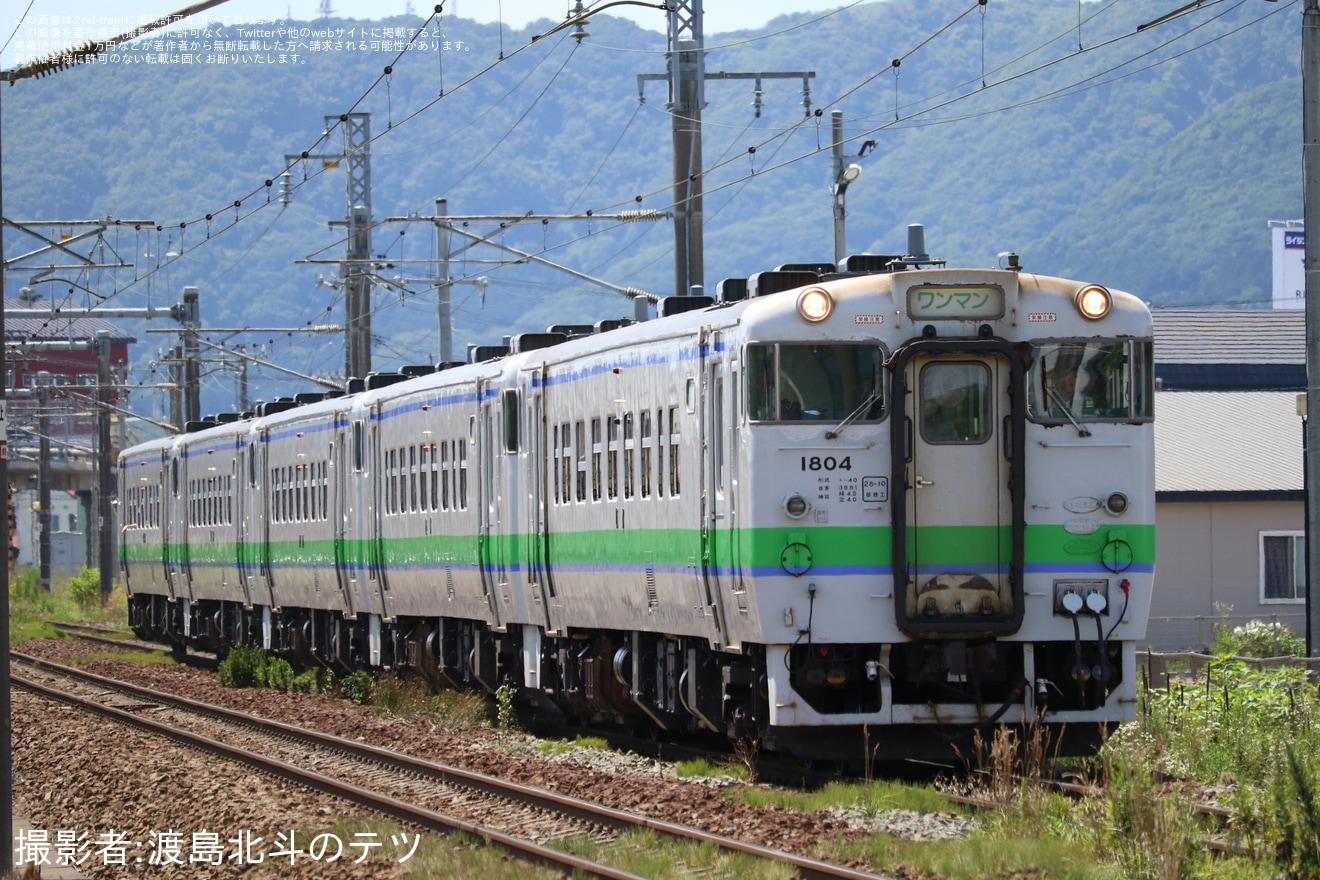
(852, 417)
(1081, 431)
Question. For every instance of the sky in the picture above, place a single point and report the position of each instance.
(31, 27)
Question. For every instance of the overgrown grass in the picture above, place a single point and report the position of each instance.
(146, 658)
(74, 600)
(700, 767)
(553, 747)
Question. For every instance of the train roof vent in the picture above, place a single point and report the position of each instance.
(356, 385)
(449, 365)
(731, 290)
(533, 341)
(608, 324)
(868, 264)
(414, 370)
(275, 406)
(677, 305)
(571, 331)
(766, 283)
(479, 353)
(308, 397)
(228, 418)
(818, 268)
(382, 380)
(197, 425)
(333, 393)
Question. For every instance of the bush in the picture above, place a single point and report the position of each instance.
(357, 687)
(1257, 638)
(242, 667)
(85, 588)
(311, 681)
(279, 674)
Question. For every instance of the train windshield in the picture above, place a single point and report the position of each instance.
(1091, 380)
(815, 383)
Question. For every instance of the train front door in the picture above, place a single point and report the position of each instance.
(958, 531)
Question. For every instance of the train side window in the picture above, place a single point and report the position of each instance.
(357, 445)
(392, 482)
(412, 479)
(556, 464)
(174, 476)
(423, 497)
(646, 453)
(462, 476)
(595, 459)
(629, 455)
(673, 452)
(1143, 379)
(659, 453)
(511, 421)
(444, 475)
(612, 458)
(580, 452)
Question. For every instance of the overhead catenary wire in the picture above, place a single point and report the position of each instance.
(910, 120)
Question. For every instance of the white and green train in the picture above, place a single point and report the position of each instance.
(915, 501)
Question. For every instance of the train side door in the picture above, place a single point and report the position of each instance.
(716, 498)
(261, 450)
(374, 520)
(488, 534)
(340, 509)
(538, 562)
(958, 536)
(174, 535)
(241, 500)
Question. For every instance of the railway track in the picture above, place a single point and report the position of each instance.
(423, 793)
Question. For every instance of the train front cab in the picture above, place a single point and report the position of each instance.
(1019, 527)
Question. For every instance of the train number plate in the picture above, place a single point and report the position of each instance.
(875, 489)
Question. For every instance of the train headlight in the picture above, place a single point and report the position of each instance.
(815, 305)
(1093, 301)
(797, 506)
(1116, 503)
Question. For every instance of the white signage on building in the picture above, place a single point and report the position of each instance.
(1289, 266)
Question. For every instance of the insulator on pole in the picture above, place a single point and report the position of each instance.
(643, 216)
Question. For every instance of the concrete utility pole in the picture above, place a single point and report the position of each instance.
(442, 285)
(105, 483)
(43, 478)
(842, 176)
(687, 96)
(192, 367)
(1311, 203)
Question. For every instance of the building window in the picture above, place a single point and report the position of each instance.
(1282, 567)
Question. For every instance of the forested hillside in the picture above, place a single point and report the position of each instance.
(1150, 161)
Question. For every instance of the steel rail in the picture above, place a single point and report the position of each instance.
(381, 803)
(619, 820)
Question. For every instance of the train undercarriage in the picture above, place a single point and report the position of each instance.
(920, 699)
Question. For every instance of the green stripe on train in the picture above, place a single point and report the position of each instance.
(843, 546)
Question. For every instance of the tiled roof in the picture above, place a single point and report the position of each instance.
(56, 327)
(1230, 336)
(1227, 441)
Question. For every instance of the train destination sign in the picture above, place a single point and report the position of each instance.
(958, 303)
